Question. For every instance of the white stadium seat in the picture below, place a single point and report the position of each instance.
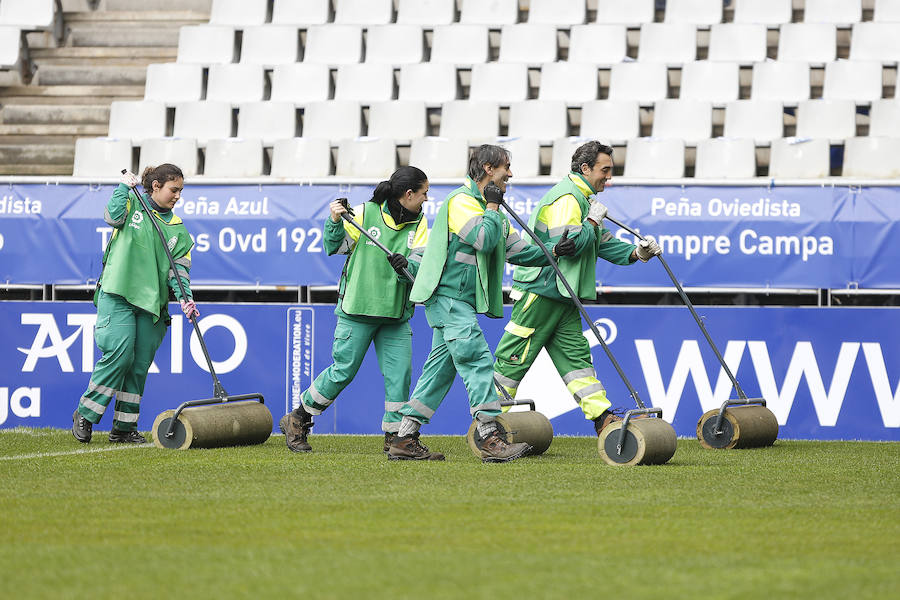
(270, 45)
(395, 44)
(875, 41)
(838, 12)
(568, 81)
(205, 44)
(364, 12)
(718, 82)
(561, 157)
(10, 46)
(332, 120)
(584, 46)
(807, 42)
(557, 12)
(426, 12)
(884, 118)
(238, 13)
(234, 157)
(759, 120)
(364, 82)
(301, 157)
(524, 156)
(689, 120)
(855, 80)
(433, 83)
(725, 158)
(302, 14)
(369, 157)
(268, 121)
(173, 83)
(698, 12)
(27, 14)
(101, 157)
(489, 12)
(787, 82)
(333, 44)
(398, 119)
(743, 43)
(203, 121)
(641, 81)
(611, 120)
(301, 83)
(670, 43)
(460, 44)
(872, 157)
(528, 43)
(177, 151)
(236, 83)
(791, 158)
(137, 120)
(651, 158)
(887, 11)
(470, 120)
(633, 12)
(829, 119)
(765, 12)
(544, 120)
(440, 157)
(499, 82)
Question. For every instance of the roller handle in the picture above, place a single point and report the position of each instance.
(640, 411)
(577, 301)
(171, 430)
(218, 390)
(690, 306)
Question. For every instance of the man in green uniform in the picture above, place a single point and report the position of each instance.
(460, 277)
(544, 316)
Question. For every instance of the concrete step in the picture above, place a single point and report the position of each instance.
(125, 92)
(44, 114)
(138, 5)
(140, 36)
(80, 129)
(160, 17)
(50, 75)
(112, 53)
(14, 154)
(130, 61)
(64, 169)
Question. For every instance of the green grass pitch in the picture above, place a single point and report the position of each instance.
(797, 520)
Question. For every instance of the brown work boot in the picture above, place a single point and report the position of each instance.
(297, 427)
(388, 438)
(494, 449)
(408, 447)
(607, 417)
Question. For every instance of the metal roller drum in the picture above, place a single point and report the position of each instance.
(742, 427)
(528, 426)
(647, 442)
(214, 426)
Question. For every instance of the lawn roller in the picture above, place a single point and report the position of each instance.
(631, 441)
(224, 420)
(741, 423)
(531, 427)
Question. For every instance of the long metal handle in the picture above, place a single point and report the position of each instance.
(577, 301)
(690, 306)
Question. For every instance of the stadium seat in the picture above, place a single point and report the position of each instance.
(528, 43)
(543, 120)
(28, 14)
(764, 12)
(137, 120)
(470, 120)
(524, 156)
(333, 44)
(557, 12)
(568, 81)
(440, 157)
(855, 80)
(837, 12)
(584, 47)
(875, 41)
(759, 120)
(364, 12)
(205, 44)
(641, 81)
(233, 157)
(301, 157)
(301, 14)
(651, 158)
(364, 82)
(725, 158)
(268, 121)
(633, 12)
(493, 13)
(235, 83)
(886, 11)
(561, 157)
(696, 12)
(426, 12)
(99, 157)
(670, 43)
(173, 83)
(460, 44)
(807, 42)
(780, 80)
(791, 158)
(178, 151)
(398, 119)
(332, 120)
(689, 120)
(611, 120)
(743, 43)
(238, 13)
(884, 118)
(828, 119)
(270, 45)
(301, 83)
(10, 46)
(368, 157)
(432, 83)
(717, 82)
(872, 157)
(499, 82)
(395, 44)
(203, 121)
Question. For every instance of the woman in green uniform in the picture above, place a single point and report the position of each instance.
(132, 298)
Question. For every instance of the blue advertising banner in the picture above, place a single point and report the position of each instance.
(812, 237)
(826, 373)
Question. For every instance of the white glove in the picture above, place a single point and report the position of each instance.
(597, 212)
(129, 179)
(647, 248)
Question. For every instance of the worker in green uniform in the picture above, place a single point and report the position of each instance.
(460, 277)
(132, 298)
(543, 315)
(394, 217)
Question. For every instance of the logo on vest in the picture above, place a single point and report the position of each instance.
(410, 239)
(136, 220)
(375, 232)
(171, 243)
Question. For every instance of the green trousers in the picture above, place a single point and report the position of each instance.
(540, 322)
(457, 346)
(128, 339)
(352, 338)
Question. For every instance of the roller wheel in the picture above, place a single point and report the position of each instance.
(647, 442)
(181, 437)
(752, 426)
(530, 427)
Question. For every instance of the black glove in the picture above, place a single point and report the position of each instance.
(398, 262)
(493, 194)
(346, 204)
(565, 246)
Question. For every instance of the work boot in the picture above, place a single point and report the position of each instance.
(297, 426)
(388, 438)
(607, 417)
(408, 447)
(126, 437)
(494, 449)
(81, 428)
